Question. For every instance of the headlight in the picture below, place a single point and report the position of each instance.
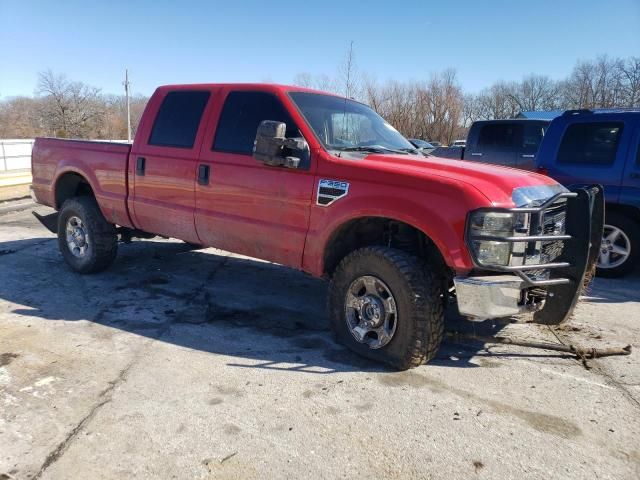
(492, 223)
(491, 252)
(488, 252)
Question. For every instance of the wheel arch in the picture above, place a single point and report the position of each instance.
(370, 230)
(627, 210)
(71, 184)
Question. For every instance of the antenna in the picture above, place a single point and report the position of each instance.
(126, 93)
(347, 93)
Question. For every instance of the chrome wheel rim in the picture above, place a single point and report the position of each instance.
(77, 237)
(615, 248)
(370, 311)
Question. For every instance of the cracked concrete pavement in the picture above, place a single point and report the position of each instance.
(178, 363)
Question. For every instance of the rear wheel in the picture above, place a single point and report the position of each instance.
(620, 246)
(86, 240)
(387, 306)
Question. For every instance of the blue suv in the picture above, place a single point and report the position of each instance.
(601, 146)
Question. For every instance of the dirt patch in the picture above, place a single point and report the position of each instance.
(231, 429)
(540, 421)
(229, 391)
(483, 362)
(364, 407)
(7, 358)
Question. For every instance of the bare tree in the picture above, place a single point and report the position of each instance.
(348, 75)
(603, 83)
(71, 109)
(20, 118)
(68, 109)
(318, 82)
(631, 77)
(535, 92)
(435, 109)
(499, 101)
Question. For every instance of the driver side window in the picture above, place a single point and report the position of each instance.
(241, 114)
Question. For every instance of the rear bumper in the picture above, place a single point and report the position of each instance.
(506, 292)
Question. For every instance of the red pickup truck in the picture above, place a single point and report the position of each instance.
(323, 184)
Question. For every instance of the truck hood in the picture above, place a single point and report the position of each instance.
(496, 183)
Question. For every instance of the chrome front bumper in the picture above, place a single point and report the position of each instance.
(491, 296)
(504, 293)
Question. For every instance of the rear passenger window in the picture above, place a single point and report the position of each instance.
(178, 119)
(590, 143)
(240, 117)
(532, 137)
(498, 135)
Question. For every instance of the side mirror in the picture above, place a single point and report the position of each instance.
(271, 142)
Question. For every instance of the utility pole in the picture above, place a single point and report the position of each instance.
(126, 93)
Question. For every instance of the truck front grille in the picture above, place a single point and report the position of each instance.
(553, 223)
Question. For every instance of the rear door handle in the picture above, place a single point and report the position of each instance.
(141, 163)
(525, 155)
(476, 154)
(203, 175)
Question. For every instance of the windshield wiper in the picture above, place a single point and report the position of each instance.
(370, 148)
(410, 150)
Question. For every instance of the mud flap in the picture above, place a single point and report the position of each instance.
(50, 221)
(584, 222)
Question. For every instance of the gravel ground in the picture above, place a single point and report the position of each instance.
(201, 364)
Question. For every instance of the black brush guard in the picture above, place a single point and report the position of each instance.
(584, 223)
(574, 267)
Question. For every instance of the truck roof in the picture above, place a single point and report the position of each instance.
(272, 87)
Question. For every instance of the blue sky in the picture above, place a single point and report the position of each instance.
(210, 41)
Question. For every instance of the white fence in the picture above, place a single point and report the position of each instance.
(15, 154)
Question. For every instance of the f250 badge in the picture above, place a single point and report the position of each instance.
(331, 190)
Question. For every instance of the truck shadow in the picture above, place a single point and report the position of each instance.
(262, 315)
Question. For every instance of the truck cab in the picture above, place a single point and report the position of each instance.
(582, 146)
(323, 184)
(512, 143)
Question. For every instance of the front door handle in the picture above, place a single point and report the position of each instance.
(141, 164)
(203, 175)
(476, 154)
(526, 155)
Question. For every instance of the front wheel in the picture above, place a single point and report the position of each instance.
(620, 246)
(87, 241)
(386, 305)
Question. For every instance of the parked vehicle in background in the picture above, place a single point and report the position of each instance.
(435, 144)
(424, 147)
(458, 143)
(512, 143)
(323, 184)
(454, 153)
(584, 146)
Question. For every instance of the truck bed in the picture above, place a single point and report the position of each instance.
(104, 165)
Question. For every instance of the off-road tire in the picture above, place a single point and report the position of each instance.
(103, 240)
(418, 295)
(632, 229)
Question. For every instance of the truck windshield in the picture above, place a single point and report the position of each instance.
(346, 125)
